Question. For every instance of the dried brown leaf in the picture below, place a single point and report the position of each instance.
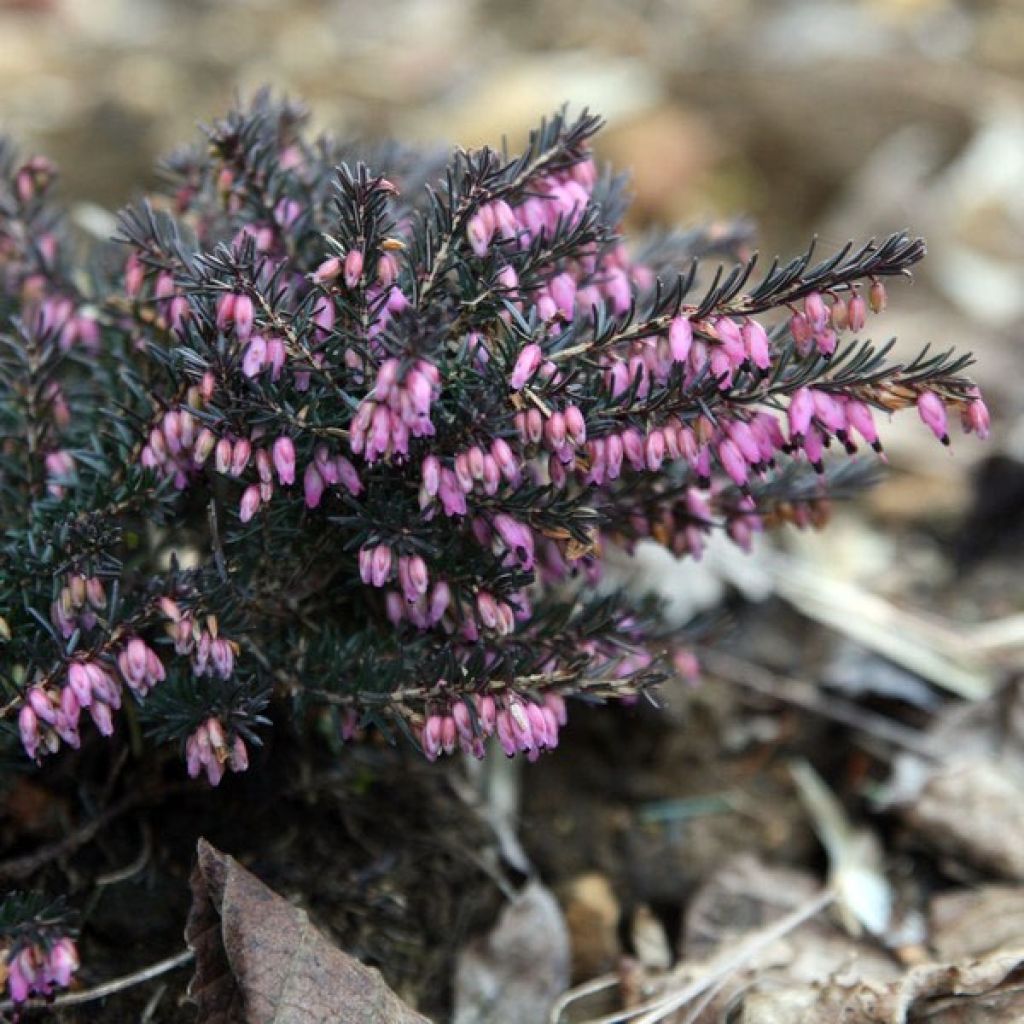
(974, 810)
(972, 922)
(515, 973)
(260, 961)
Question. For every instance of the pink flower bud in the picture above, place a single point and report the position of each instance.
(284, 460)
(255, 356)
(654, 450)
(463, 720)
(453, 497)
(419, 578)
(275, 357)
(222, 456)
(856, 312)
(877, 297)
(475, 462)
(40, 703)
(840, 314)
(534, 426)
(353, 267)
(102, 717)
(222, 655)
(135, 661)
(733, 462)
(63, 961)
(249, 504)
(826, 341)
(28, 730)
(506, 733)
(243, 316)
(134, 275)
(756, 344)
(859, 417)
(387, 270)
(680, 338)
(347, 476)
(380, 565)
(448, 734)
(975, 415)
(487, 712)
(387, 376)
(312, 486)
(479, 233)
(526, 366)
(80, 684)
(933, 413)
(816, 311)
(240, 454)
(633, 447)
(204, 445)
(431, 470)
(440, 598)
(554, 430)
(575, 425)
(800, 328)
(327, 271)
(801, 410)
(432, 737)
(238, 760)
(487, 610)
(556, 703)
(563, 292)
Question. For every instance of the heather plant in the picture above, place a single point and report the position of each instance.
(349, 431)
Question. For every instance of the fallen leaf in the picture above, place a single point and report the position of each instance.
(515, 973)
(971, 922)
(973, 810)
(260, 961)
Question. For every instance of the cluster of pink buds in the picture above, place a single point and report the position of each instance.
(815, 416)
(349, 268)
(473, 469)
(262, 353)
(974, 415)
(820, 321)
(51, 714)
(72, 325)
(521, 726)
(396, 411)
(179, 444)
(235, 313)
(77, 604)
(208, 749)
(280, 460)
(35, 970)
(212, 653)
(559, 198)
(563, 433)
(424, 610)
(327, 470)
(140, 667)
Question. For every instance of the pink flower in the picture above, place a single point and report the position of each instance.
(526, 366)
(353, 267)
(250, 503)
(933, 414)
(284, 460)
